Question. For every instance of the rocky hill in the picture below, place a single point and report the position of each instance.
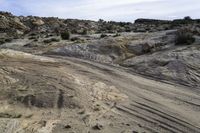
(16, 26)
(23, 25)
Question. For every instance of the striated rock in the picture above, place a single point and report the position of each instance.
(179, 66)
(98, 51)
(139, 48)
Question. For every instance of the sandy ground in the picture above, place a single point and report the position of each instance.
(58, 95)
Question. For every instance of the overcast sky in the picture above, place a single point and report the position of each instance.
(117, 10)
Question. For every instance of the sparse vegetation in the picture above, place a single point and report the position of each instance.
(51, 40)
(10, 115)
(184, 37)
(8, 40)
(85, 32)
(35, 40)
(65, 35)
(48, 35)
(116, 35)
(75, 39)
(74, 31)
(103, 35)
(32, 34)
(4, 40)
(33, 37)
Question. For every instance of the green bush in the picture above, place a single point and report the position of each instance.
(65, 35)
(184, 37)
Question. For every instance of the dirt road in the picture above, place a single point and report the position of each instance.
(76, 95)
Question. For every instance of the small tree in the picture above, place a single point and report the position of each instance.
(187, 18)
(101, 21)
(65, 35)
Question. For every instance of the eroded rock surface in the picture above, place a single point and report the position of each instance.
(49, 95)
(105, 83)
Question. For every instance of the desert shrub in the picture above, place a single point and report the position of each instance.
(16, 37)
(55, 39)
(33, 37)
(51, 40)
(127, 30)
(196, 31)
(116, 35)
(111, 31)
(166, 28)
(30, 45)
(2, 41)
(48, 35)
(74, 31)
(184, 37)
(103, 35)
(8, 40)
(65, 35)
(85, 32)
(10, 115)
(75, 39)
(35, 40)
(32, 34)
(47, 41)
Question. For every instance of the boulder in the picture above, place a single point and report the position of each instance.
(38, 22)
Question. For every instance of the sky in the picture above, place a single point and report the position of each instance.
(109, 10)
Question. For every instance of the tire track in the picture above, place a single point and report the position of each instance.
(155, 120)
